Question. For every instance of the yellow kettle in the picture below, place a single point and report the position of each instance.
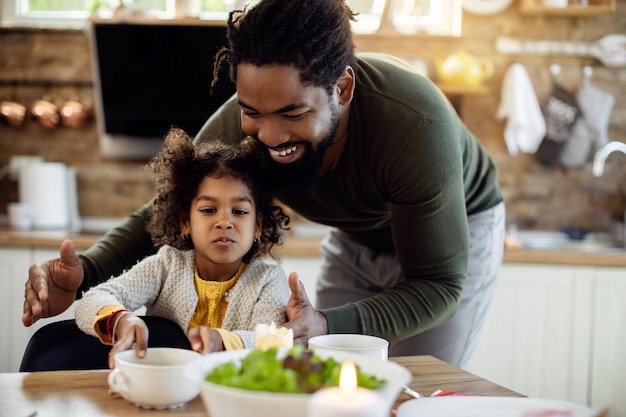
(462, 68)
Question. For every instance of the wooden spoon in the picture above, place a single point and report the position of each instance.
(610, 50)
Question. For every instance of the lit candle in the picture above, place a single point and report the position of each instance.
(347, 400)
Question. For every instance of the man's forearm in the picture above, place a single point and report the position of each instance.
(118, 250)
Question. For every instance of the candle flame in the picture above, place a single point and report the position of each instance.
(347, 376)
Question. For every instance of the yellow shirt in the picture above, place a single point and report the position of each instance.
(212, 306)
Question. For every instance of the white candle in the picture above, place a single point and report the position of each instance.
(347, 400)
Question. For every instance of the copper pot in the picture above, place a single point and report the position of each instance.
(46, 112)
(74, 114)
(13, 112)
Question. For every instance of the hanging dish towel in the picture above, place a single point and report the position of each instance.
(591, 130)
(526, 126)
(560, 112)
(577, 149)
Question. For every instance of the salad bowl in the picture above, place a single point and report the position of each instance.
(225, 401)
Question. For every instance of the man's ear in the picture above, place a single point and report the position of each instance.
(345, 86)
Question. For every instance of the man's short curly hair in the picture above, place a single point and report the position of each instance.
(180, 167)
(313, 36)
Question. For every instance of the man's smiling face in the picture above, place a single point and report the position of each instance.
(296, 122)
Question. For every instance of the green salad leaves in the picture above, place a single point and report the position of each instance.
(300, 371)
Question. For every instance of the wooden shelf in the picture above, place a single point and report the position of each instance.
(143, 20)
(594, 8)
(462, 90)
(456, 93)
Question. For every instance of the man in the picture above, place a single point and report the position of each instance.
(359, 143)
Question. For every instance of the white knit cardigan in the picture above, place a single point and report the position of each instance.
(164, 283)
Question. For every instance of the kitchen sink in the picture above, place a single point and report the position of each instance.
(558, 241)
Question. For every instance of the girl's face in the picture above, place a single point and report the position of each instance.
(223, 225)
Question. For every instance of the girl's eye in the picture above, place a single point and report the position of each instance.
(240, 212)
(207, 210)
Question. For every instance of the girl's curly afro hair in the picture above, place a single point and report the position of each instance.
(180, 167)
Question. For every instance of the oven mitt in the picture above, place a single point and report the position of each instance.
(560, 112)
(597, 105)
(578, 148)
(591, 129)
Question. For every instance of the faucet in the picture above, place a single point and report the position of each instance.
(603, 153)
(598, 169)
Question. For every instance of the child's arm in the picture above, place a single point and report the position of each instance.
(104, 321)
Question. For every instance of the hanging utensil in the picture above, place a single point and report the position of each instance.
(610, 50)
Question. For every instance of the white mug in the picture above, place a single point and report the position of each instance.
(156, 381)
(21, 216)
(360, 344)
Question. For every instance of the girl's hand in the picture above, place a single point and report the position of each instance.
(129, 330)
(205, 339)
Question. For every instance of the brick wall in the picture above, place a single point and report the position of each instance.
(536, 196)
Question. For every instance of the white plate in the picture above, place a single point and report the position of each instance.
(485, 6)
(480, 406)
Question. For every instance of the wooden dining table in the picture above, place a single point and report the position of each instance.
(85, 393)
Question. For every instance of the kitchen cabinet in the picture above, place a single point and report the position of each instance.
(14, 264)
(608, 374)
(557, 332)
(593, 8)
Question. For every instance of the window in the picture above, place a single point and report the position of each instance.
(431, 17)
(75, 13)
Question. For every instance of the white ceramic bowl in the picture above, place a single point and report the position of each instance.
(156, 381)
(223, 401)
(361, 344)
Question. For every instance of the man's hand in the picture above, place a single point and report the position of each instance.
(51, 286)
(305, 321)
(205, 339)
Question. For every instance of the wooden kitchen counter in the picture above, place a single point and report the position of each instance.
(48, 239)
(296, 246)
(51, 239)
(556, 257)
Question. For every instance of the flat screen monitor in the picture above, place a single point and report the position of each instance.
(149, 77)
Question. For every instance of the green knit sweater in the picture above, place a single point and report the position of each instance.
(409, 176)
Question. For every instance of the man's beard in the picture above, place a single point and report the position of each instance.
(303, 174)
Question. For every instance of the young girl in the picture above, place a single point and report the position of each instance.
(214, 216)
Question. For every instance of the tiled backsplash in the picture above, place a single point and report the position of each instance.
(537, 197)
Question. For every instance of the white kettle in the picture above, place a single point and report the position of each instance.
(50, 189)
